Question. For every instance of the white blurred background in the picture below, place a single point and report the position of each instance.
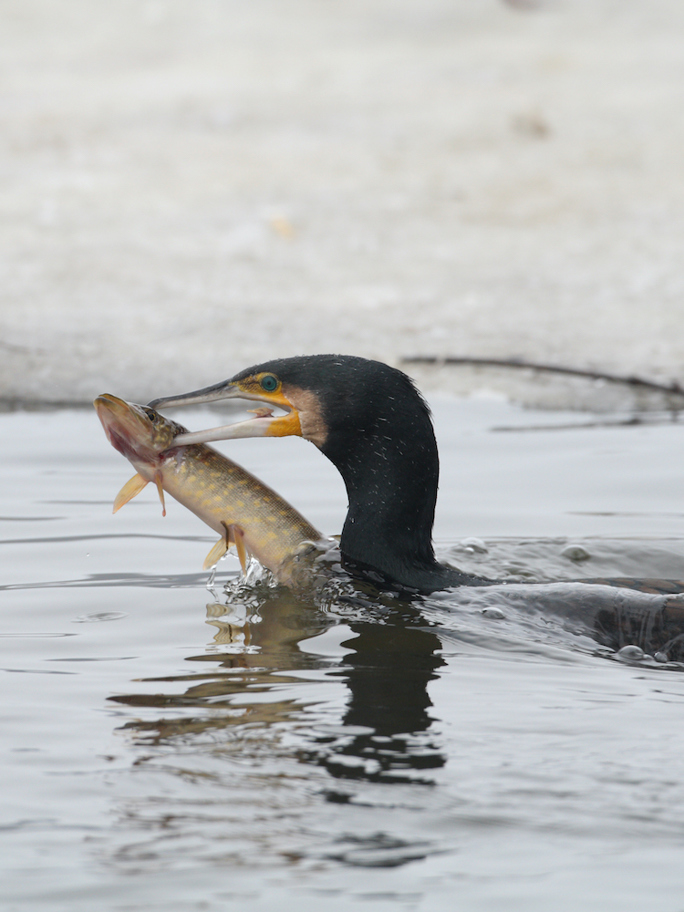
(188, 188)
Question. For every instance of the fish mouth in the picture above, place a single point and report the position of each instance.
(127, 426)
(264, 423)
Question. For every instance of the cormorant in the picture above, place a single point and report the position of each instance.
(372, 423)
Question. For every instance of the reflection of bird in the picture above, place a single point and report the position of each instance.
(372, 423)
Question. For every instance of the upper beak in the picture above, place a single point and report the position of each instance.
(265, 424)
(223, 390)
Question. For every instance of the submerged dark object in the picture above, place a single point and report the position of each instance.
(370, 420)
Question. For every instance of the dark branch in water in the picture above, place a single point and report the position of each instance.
(668, 417)
(672, 389)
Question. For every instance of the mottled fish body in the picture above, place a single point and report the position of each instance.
(240, 508)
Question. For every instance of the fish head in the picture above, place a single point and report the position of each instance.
(138, 432)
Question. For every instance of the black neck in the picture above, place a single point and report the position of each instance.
(389, 462)
(392, 491)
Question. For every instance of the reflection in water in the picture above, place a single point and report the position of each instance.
(387, 673)
(254, 653)
(261, 678)
(305, 732)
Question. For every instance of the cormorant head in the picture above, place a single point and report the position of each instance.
(373, 424)
(334, 401)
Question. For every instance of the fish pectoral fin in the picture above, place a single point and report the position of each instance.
(160, 489)
(215, 554)
(132, 488)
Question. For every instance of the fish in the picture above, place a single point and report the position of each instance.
(242, 509)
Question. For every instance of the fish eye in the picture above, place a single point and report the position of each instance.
(269, 383)
(151, 414)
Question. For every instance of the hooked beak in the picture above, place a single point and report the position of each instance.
(264, 424)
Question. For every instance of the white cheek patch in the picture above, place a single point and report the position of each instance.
(311, 419)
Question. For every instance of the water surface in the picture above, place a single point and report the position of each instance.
(169, 746)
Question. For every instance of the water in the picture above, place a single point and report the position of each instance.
(167, 747)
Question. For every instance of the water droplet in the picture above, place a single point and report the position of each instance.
(631, 653)
(575, 553)
(100, 616)
(495, 613)
(474, 544)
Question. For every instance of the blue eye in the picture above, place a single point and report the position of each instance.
(269, 383)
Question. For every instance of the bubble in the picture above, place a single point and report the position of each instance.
(575, 553)
(474, 544)
(495, 613)
(632, 653)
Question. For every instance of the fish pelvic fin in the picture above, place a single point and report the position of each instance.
(132, 488)
(234, 536)
(238, 537)
(160, 489)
